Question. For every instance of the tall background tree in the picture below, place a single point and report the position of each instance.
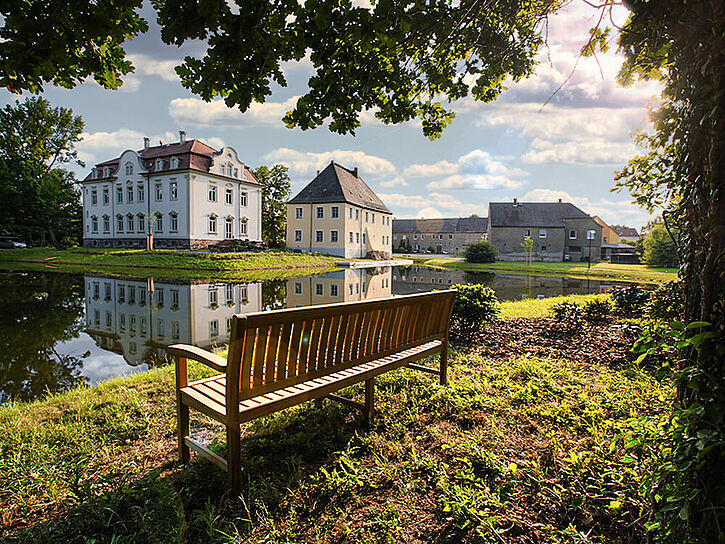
(40, 197)
(275, 193)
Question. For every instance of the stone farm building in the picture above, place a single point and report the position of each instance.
(338, 214)
(560, 231)
(447, 235)
(185, 194)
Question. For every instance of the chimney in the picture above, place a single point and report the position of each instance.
(516, 202)
(356, 172)
(146, 143)
(318, 171)
(559, 201)
(182, 136)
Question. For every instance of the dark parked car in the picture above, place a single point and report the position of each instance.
(11, 242)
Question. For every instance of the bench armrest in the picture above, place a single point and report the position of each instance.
(197, 354)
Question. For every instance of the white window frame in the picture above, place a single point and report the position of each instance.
(572, 231)
(298, 288)
(243, 227)
(298, 235)
(174, 222)
(319, 236)
(334, 212)
(319, 290)
(542, 233)
(173, 190)
(228, 228)
(212, 224)
(229, 196)
(158, 191)
(334, 290)
(244, 199)
(211, 193)
(334, 236)
(141, 192)
(298, 213)
(320, 212)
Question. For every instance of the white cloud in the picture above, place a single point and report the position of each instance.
(306, 163)
(474, 170)
(458, 181)
(595, 152)
(611, 211)
(192, 111)
(397, 181)
(432, 202)
(148, 66)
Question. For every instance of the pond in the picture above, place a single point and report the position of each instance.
(61, 330)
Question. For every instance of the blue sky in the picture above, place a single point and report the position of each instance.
(512, 148)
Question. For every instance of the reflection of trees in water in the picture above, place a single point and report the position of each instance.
(484, 278)
(274, 294)
(38, 311)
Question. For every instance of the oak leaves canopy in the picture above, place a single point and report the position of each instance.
(400, 60)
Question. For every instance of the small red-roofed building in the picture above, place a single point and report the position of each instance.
(185, 195)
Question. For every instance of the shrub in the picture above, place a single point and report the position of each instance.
(597, 309)
(630, 300)
(667, 301)
(568, 315)
(481, 252)
(475, 306)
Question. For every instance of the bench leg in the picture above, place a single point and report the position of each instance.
(182, 411)
(182, 430)
(444, 364)
(234, 459)
(370, 399)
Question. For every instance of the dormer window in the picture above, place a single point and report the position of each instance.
(129, 169)
(159, 164)
(106, 172)
(174, 162)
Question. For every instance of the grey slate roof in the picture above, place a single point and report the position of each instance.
(532, 214)
(338, 184)
(444, 225)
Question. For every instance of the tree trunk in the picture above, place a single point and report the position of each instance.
(53, 239)
(698, 79)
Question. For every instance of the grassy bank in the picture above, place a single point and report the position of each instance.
(515, 449)
(621, 272)
(168, 263)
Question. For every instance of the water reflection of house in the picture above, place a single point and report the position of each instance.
(140, 318)
(341, 286)
(414, 279)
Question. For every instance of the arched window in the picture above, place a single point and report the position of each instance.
(159, 222)
(174, 217)
(119, 223)
(140, 219)
(129, 168)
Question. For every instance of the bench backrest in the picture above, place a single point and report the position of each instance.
(276, 349)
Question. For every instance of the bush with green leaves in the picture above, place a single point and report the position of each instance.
(476, 305)
(598, 309)
(667, 302)
(481, 252)
(568, 315)
(630, 300)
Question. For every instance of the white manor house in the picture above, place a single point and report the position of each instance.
(183, 195)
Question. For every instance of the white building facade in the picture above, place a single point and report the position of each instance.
(184, 195)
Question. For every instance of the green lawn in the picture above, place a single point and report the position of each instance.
(517, 447)
(622, 272)
(169, 263)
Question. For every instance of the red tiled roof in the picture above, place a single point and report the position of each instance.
(626, 231)
(192, 154)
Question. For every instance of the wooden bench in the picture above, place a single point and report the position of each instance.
(282, 358)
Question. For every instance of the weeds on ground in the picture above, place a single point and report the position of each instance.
(517, 450)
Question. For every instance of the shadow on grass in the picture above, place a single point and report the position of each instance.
(193, 503)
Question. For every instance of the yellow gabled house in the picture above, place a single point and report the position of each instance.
(338, 214)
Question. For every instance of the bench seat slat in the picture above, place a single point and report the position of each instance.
(204, 397)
